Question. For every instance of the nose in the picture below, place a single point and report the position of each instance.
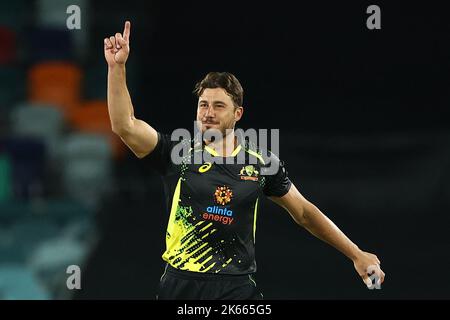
(209, 112)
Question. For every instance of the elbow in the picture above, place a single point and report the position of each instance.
(121, 129)
(140, 155)
(298, 215)
(118, 130)
(303, 215)
(308, 217)
(301, 220)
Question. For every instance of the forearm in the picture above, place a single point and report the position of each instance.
(312, 219)
(120, 107)
(323, 228)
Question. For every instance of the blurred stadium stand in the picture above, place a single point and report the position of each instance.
(53, 171)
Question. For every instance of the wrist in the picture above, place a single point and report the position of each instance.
(116, 67)
(355, 253)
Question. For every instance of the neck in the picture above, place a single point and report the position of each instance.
(225, 146)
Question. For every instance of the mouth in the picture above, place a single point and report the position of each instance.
(209, 124)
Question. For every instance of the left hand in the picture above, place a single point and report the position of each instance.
(367, 264)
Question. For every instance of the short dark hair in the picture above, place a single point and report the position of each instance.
(224, 80)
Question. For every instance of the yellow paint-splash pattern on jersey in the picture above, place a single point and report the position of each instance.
(186, 245)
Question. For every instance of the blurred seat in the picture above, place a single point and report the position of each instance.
(32, 230)
(12, 88)
(94, 81)
(48, 14)
(17, 282)
(40, 121)
(58, 44)
(55, 83)
(93, 117)
(9, 50)
(5, 178)
(12, 210)
(66, 211)
(15, 14)
(28, 233)
(59, 252)
(50, 262)
(28, 158)
(87, 165)
(10, 253)
(62, 212)
(82, 230)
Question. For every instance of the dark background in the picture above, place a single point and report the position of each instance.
(363, 116)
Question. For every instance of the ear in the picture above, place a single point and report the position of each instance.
(238, 113)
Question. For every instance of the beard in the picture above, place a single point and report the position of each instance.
(219, 131)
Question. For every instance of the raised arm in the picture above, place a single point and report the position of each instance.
(139, 136)
(312, 219)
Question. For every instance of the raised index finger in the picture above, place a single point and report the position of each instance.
(126, 30)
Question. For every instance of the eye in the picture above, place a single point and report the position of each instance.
(203, 105)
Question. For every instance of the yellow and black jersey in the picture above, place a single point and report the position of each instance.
(213, 205)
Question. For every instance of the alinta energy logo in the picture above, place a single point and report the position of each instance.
(222, 196)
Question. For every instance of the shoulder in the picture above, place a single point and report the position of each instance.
(265, 157)
(169, 140)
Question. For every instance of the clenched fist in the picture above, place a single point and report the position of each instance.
(117, 48)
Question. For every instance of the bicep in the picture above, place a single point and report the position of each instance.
(141, 138)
